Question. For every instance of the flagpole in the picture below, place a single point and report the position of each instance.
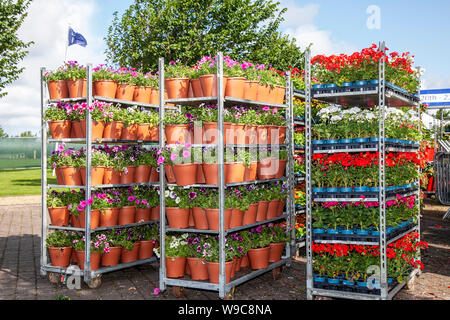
(67, 44)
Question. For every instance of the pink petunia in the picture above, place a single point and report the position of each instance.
(186, 153)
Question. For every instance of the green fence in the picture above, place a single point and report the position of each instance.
(19, 153)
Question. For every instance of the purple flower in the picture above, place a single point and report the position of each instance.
(192, 195)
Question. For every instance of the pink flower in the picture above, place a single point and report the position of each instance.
(186, 154)
(160, 160)
(61, 148)
(173, 157)
(266, 108)
(188, 145)
(156, 291)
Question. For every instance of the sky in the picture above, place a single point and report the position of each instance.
(332, 27)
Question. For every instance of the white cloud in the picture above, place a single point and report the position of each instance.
(47, 25)
(299, 23)
(435, 82)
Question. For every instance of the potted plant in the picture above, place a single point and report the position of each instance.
(195, 84)
(76, 79)
(68, 164)
(59, 248)
(235, 79)
(96, 249)
(207, 70)
(105, 84)
(258, 241)
(177, 249)
(250, 118)
(184, 167)
(57, 117)
(148, 129)
(142, 206)
(177, 207)
(148, 235)
(197, 204)
(176, 127)
(195, 260)
(56, 83)
(112, 249)
(211, 206)
(210, 167)
(113, 123)
(129, 159)
(57, 209)
(129, 116)
(234, 167)
(143, 88)
(252, 81)
(267, 168)
(126, 83)
(128, 240)
(143, 167)
(99, 161)
(278, 242)
(127, 212)
(176, 81)
(208, 117)
(98, 116)
(211, 256)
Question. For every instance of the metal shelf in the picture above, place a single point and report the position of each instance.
(103, 186)
(403, 194)
(201, 100)
(131, 103)
(103, 141)
(65, 100)
(388, 149)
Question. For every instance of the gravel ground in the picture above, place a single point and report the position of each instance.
(20, 278)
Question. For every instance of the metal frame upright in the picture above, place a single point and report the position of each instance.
(223, 288)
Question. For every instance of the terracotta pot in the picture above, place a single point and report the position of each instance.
(191, 222)
(60, 129)
(59, 216)
(200, 175)
(281, 168)
(261, 213)
(142, 94)
(244, 261)
(236, 219)
(177, 88)
(282, 134)
(97, 128)
(154, 133)
(239, 133)
(77, 88)
(200, 220)
(259, 258)
(127, 178)
(177, 218)
(212, 215)
(59, 176)
(261, 134)
(186, 173)
(233, 269)
(272, 95)
(113, 130)
(175, 267)
(280, 209)
(178, 133)
(272, 134)
(95, 219)
(235, 87)
(280, 93)
(154, 214)
(211, 133)
(197, 88)
(228, 133)
(105, 88)
(209, 85)
(77, 130)
(145, 249)
(211, 173)
(60, 257)
(250, 133)
(154, 175)
(190, 95)
(250, 172)
(111, 258)
(154, 96)
(251, 90)
(130, 255)
(74, 221)
(57, 89)
(109, 217)
(73, 257)
(130, 132)
(97, 174)
(95, 260)
(197, 134)
(142, 173)
(111, 176)
(237, 264)
(143, 132)
(272, 209)
(213, 271)
(266, 169)
(127, 215)
(234, 172)
(72, 176)
(262, 93)
(170, 176)
(198, 268)
(250, 214)
(142, 215)
(276, 251)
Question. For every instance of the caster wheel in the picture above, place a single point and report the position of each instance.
(230, 295)
(276, 273)
(53, 277)
(178, 291)
(95, 283)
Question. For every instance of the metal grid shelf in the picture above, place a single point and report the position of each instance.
(65, 100)
(103, 141)
(299, 122)
(122, 226)
(201, 100)
(357, 199)
(229, 231)
(274, 145)
(103, 186)
(132, 103)
(199, 185)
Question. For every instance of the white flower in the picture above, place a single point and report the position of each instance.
(177, 200)
(166, 193)
(336, 118)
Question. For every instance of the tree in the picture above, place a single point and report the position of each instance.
(27, 134)
(3, 134)
(12, 49)
(189, 29)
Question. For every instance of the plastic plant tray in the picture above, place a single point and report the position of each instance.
(367, 194)
(356, 146)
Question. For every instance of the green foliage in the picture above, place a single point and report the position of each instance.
(187, 30)
(58, 239)
(13, 49)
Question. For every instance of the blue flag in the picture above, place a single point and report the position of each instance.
(76, 38)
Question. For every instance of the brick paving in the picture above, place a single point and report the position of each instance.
(20, 279)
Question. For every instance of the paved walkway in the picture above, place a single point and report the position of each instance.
(20, 278)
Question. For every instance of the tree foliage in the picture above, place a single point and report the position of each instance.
(189, 29)
(3, 134)
(12, 49)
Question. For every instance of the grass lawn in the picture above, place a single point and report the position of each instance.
(23, 182)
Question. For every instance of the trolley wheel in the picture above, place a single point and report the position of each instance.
(178, 291)
(276, 273)
(95, 282)
(54, 277)
(230, 294)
